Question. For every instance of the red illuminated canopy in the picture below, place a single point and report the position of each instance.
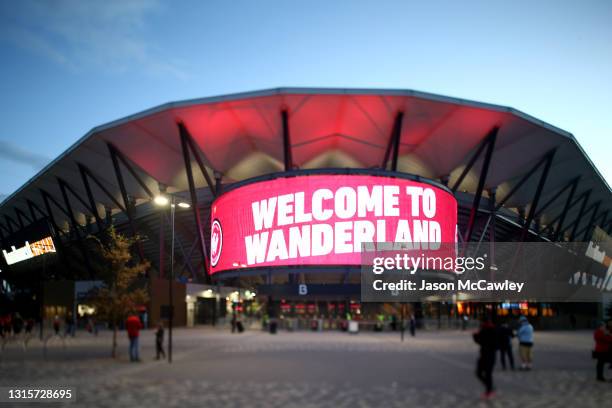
(240, 136)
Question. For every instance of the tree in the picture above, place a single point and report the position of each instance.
(120, 295)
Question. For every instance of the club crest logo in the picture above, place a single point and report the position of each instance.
(216, 242)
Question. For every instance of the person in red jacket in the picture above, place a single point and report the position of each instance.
(603, 347)
(133, 326)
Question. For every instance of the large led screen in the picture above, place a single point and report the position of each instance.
(324, 219)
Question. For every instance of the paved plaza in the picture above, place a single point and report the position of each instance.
(213, 368)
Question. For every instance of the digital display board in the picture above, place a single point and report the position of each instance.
(324, 219)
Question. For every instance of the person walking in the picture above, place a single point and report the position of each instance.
(29, 325)
(603, 348)
(159, 341)
(486, 338)
(525, 338)
(8, 324)
(234, 318)
(133, 326)
(412, 325)
(464, 322)
(56, 325)
(69, 329)
(17, 324)
(504, 341)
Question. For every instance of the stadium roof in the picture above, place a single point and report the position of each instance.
(241, 136)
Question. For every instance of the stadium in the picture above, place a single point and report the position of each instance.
(259, 202)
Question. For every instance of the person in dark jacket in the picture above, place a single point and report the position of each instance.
(17, 324)
(56, 325)
(412, 325)
(159, 341)
(234, 320)
(603, 348)
(504, 340)
(486, 338)
(29, 325)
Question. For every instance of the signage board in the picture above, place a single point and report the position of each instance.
(325, 219)
(27, 243)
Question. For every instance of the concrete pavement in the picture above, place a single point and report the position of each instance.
(306, 369)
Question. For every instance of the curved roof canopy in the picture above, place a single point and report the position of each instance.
(240, 136)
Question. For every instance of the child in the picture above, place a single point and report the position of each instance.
(159, 341)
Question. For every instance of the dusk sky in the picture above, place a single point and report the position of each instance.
(68, 66)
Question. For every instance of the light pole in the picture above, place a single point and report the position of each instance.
(162, 200)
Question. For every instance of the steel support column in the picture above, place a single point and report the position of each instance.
(54, 201)
(90, 197)
(24, 215)
(183, 134)
(218, 183)
(566, 208)
(194, 150)
(9, 220)
(126, 201)
(481, 183)
(32, 212)
(56, 230)
(580, 214)
(91, 208)
(604, 220)
(396, 140)
(536, 199)
(489, 138)
(522, 181)
(117, 155)
(73, 221)
(187, 258)
(492, 226)
(19, 219)
(394, 137)
(187, 233)
(108, 216)
(2, 227)
(566, 228)
(589, 226)
(286, 141)
(49, 211)
(162, 243)
(75, 227)
(90, 174)
(287, 154)
(572, 184)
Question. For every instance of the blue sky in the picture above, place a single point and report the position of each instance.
(70, 65)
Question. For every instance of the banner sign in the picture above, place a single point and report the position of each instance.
(29, 251)
(27, 243)
(323, 220)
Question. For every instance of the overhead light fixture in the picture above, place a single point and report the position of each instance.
(161, 200)
(183, 204)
